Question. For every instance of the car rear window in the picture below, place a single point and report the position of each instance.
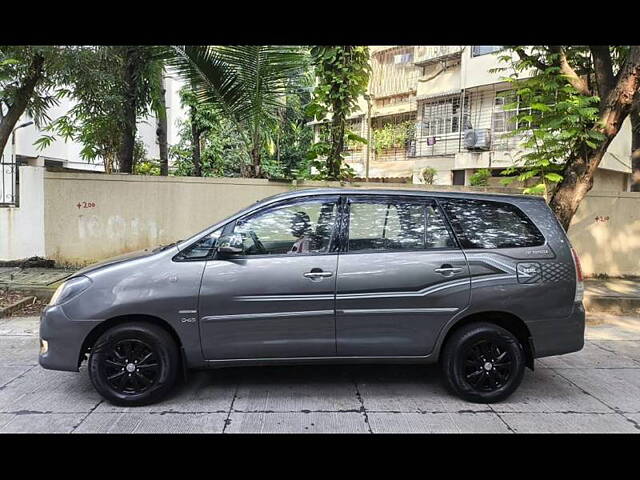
(488, 224)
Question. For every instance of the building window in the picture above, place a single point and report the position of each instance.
(504, 118)
(479, 50)
(441, 117)
(403, 58)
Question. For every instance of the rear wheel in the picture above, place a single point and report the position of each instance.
(134, 364)
(483, 363)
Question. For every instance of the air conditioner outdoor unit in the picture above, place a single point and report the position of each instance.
(477, 139)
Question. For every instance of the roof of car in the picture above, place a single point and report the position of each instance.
(403, 192)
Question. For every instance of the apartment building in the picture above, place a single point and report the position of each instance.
(442, 108)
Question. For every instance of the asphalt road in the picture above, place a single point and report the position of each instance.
(595, 390)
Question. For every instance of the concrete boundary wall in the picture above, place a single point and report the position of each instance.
(605, 232)
(80, 218)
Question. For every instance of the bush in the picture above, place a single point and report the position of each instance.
(480, 178)
(428, 175)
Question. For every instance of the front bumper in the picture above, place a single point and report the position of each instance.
(64, 338)
(559, 336)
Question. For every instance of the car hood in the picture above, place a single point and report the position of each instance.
(117, 259)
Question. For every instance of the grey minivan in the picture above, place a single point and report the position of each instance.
(482, 283)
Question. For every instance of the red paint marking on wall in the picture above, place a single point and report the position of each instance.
(85, 205)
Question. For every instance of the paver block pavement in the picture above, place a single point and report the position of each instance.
(40, 423)
(468, 422)
(297, 422)
(146, 422)
(568, 423)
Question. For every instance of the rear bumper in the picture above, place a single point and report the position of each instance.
(559, 336)
(64, 338)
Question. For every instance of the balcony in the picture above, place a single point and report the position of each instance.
(426, 54)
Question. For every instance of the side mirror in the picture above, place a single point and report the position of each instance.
(230, 244)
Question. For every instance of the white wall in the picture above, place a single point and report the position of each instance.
(22, 228)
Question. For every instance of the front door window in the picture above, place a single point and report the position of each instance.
(293, 229)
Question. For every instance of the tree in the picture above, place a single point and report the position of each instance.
(635, 149)
(578, 98)
(141, 86)
(246, 83)
(210, 144)
(161, 124)
(112, 87)
(28, 79)
(343, 75)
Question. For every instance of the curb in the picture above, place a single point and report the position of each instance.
(6, 311)
(43, 293)
(612, 304)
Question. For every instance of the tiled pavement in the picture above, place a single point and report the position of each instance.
(595, 390)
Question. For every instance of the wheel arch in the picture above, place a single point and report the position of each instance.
(122, 319)
(506, 320)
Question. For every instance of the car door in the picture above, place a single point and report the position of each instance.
(401, 277)
(277, 299)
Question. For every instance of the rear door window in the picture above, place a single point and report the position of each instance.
(489, 224)
(392, 224)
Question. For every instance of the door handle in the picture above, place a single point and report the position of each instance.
(447, 270)
(317, 273)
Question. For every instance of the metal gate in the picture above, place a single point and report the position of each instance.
(8, 182)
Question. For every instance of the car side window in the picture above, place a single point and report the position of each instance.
(203, 248)
(489, 224)
(388, 224)
(303, 227)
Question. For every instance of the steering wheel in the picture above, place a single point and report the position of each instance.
(257, 243)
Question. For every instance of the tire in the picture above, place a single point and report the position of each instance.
(134, 364)
(483, 363)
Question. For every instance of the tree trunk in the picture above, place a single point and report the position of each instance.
(161, 131)
(195, 145)
(580, 169)
(23, 95)
(127, 143)
(635, 150)
(334, 159)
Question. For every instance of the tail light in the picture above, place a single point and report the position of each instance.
(579, 278)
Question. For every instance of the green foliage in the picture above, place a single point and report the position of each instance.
(342, 74)
(248, 84)
(480, 178)
(94, 80)
(393, 135)
(223, 149)
(428, 175)
(16, 65)
(147, 167)
(555, 121)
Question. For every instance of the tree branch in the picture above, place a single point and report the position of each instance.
(603, 68)
(568, 71)
(526, 57)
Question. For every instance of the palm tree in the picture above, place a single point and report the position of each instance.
(248, 83)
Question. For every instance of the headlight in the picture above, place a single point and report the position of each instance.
(69, 289)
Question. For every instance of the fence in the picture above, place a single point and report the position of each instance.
(80, 218)
(8, 182)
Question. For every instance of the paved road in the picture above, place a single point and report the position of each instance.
(595, 390)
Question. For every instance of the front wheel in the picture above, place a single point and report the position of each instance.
(483, 363)
(134, 364)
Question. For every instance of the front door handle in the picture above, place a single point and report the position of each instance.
(317, 273)
(447, 270)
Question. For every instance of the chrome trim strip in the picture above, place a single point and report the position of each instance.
(279, 298)
(255, 316)
(374, 311)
